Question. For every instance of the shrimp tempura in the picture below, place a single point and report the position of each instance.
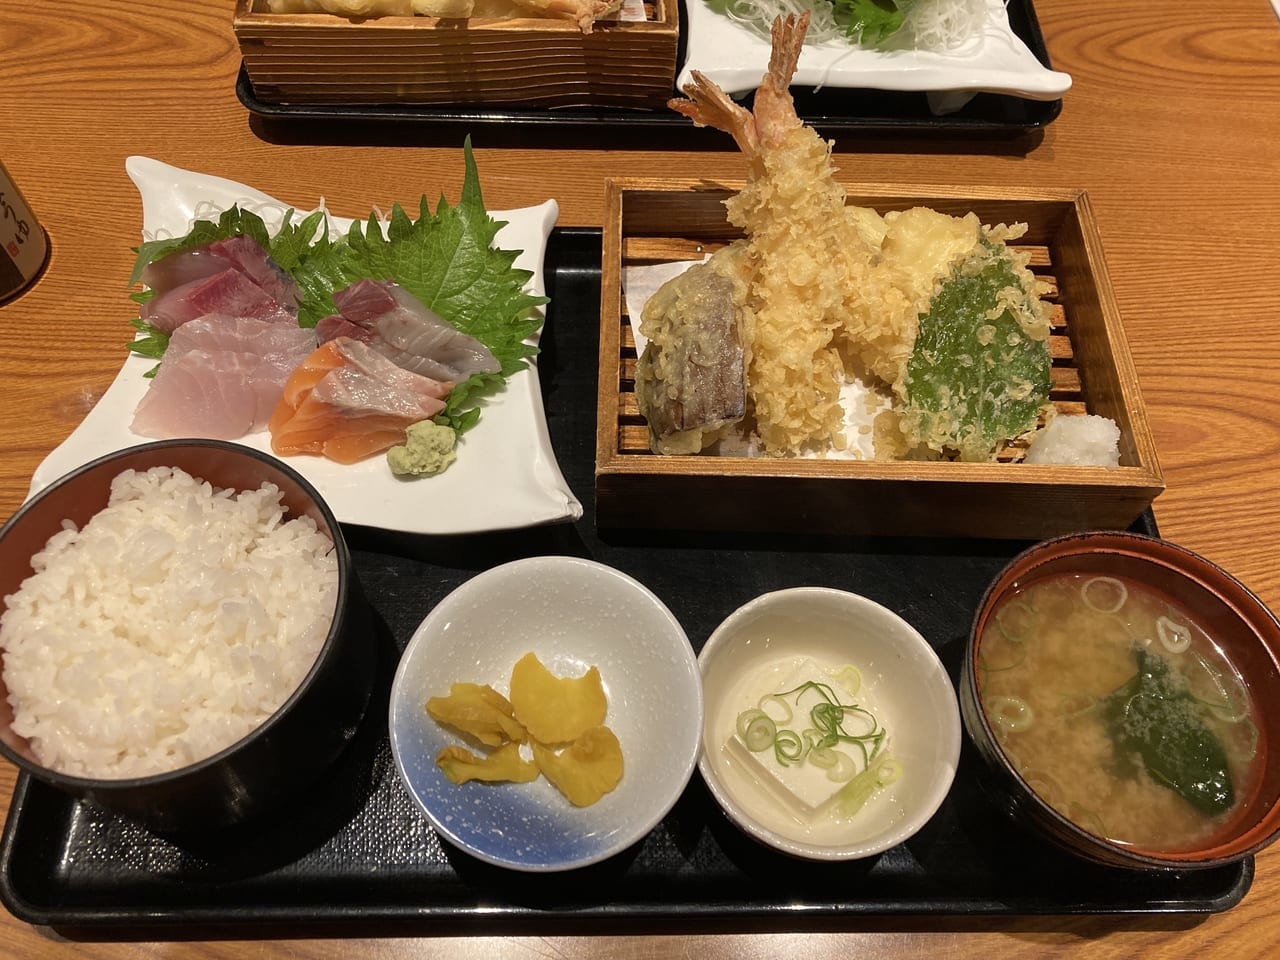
(805, 254)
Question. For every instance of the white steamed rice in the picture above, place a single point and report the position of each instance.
(172, 625)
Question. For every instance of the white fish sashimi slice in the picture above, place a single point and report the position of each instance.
(411, 335)
(377, 372)
(358, 394)
(179, 269)
(273, 341)
(200, 394)
(221, 377)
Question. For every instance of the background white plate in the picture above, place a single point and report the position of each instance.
(997, 62)
(506, 474)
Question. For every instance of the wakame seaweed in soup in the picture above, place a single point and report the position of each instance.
(1118, 710)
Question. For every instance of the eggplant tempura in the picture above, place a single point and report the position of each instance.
(934, 308)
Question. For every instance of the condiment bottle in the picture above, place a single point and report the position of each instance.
(24, 246)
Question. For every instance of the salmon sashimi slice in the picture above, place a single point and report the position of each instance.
(347, 402)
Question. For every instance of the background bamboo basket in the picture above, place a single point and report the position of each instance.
(536, 63)
(649, 221)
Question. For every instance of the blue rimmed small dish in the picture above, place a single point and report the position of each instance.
(574, 614)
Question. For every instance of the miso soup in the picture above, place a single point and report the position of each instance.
(1118, 710)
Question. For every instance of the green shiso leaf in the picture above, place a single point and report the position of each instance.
(974, 382)
(1154, 717)
(446, 259)
(152, 343)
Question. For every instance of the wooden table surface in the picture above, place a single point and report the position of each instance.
(1172, 125)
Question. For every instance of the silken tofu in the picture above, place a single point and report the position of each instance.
(800, 789)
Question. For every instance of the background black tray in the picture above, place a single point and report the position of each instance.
(353, 855)
(830, 110)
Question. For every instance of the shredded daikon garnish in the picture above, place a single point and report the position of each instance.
(932, 25)
(941, 25)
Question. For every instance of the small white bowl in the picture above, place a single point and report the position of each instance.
(902, 681)
(574, 614)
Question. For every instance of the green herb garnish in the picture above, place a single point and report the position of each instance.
(869, 21)
(827, 726)
(152, 343)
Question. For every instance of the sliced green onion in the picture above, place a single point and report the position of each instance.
(1044, 786)
(1001, 660)
(869, 722)
(844, 768)
(1253, 739)
(854, 795)
(1174, 637)
(756, 729)
(832, 723)
(1086, 818)
(789, 748)
(1116, 630)
(1016, 621)
(824, 757)
(1010, 713)
(889, 771)
(781, 701)
(1104, 594)
(1230, 713)
(1231, 706)
(848, 677)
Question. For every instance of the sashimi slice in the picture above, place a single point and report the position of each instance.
(248, 256)
(228, 292)
(221, 377)
(241, 253)
(348, 402)
(199, 394)
(410, 335)
(183, 267)
(365, 301)
(336, 325)
(281, 344)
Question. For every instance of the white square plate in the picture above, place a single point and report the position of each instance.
(506, 475)
(995, 62)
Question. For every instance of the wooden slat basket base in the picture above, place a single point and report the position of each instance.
(653, 221)
(316, 59)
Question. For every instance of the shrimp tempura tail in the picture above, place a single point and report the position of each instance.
(787, 37)
(709, 106)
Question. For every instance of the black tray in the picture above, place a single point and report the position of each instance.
(355, 856)
(831, 111)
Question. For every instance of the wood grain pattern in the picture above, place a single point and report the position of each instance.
(545, 63)
(1172, 125)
